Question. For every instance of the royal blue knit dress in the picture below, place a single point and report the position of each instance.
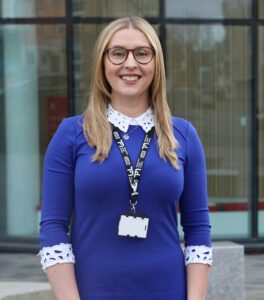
(91, 196)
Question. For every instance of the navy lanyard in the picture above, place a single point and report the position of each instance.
(133, 174)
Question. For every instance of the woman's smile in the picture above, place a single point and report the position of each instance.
(131, 78)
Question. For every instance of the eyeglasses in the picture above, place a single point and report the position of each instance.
(118, 55)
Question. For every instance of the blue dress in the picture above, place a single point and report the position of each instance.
(92, 196)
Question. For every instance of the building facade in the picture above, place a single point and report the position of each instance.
(214, 57)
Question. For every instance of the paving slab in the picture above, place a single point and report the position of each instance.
(25, 291)
(254, 266)
(21, 267)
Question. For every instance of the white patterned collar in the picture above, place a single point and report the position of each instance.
(122, 122)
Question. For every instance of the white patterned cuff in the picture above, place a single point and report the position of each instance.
(57, 254)
(198, 254)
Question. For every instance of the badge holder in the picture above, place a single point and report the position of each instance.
(130, 224)
(133, 226)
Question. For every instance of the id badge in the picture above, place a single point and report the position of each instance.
(133, 226)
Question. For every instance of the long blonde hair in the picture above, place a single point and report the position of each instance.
(96, 126)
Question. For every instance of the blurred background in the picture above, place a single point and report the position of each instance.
(214, 56)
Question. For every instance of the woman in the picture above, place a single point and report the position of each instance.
(119, 171)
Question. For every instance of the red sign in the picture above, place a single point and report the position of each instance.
(57, 110)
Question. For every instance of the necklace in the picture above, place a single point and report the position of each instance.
(126, 135)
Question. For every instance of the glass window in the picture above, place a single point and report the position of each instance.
(32, 103)
(85, 38)
(205, 9)
(261, 9)
(31, 8)
(261, 131)
(209, 84)
(115, 8)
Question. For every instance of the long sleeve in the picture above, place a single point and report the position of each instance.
(193, 201)
(58, 187)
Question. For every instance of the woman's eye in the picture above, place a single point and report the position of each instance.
(142, 53)
(118, 53)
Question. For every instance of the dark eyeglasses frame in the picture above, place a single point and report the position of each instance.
(106, 51)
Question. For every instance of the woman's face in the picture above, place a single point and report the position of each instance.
(129, 80)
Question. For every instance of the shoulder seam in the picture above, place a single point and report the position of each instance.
(187, 143)
(73, 128)
(186, 129)
(74, 146)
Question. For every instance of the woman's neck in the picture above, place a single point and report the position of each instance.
(131, 109)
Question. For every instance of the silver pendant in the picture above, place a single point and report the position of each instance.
(126, 136)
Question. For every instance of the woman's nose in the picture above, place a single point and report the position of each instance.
(130, 61)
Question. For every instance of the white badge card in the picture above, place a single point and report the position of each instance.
(133, 226)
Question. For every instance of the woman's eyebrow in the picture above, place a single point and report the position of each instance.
(116, 46)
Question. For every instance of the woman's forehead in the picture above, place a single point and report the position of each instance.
(129, 38)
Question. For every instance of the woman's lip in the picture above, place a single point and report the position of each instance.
(130, 74)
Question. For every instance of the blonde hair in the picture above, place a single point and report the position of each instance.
(96, 127)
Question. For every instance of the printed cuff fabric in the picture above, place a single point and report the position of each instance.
(198, 254)
(57, 254)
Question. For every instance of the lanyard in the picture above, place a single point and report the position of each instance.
(133, 174)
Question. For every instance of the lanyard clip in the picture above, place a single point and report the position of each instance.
(133, 203)
(133, 198)
(133, 209)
